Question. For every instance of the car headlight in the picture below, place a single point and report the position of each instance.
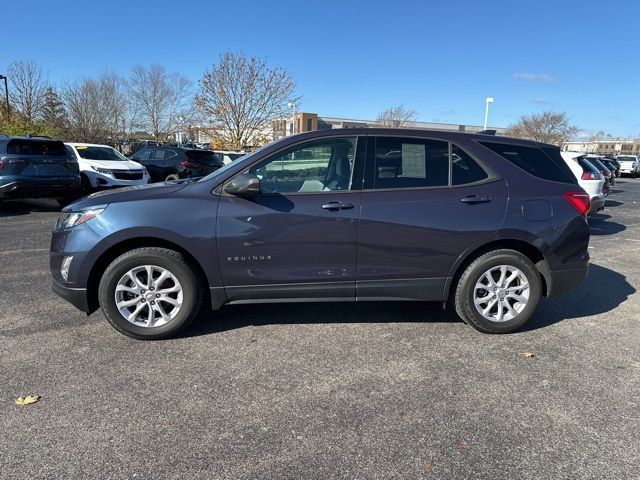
(72, 219)
(104, 171)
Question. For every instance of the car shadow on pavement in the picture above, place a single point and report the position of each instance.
(239, 316)
(612, 203)
(13, 208)
(579, 303)
(598, 226)
(586, 300)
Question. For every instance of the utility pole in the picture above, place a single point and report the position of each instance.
(6, 94)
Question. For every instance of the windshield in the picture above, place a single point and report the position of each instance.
(230, 165)
(100, 153)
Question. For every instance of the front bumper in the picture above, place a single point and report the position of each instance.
(102, 180)
(40, 188)
(75, 296)
(560, 282)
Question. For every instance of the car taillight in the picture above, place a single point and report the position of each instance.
(189, 164)
(591, 176)
(578, 200)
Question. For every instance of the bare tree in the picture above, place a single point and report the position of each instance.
(28, 88)
(548, 127)
(163, 101)
(396, 117)
(242, 96)
(96, 108)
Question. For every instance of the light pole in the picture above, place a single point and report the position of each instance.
(486, 111)
(6, 93)
(292, 106)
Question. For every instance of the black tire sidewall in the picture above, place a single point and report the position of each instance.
(177, 266)
(471, 276)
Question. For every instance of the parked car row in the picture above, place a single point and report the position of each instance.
(41, 167)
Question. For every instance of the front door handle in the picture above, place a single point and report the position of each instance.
(473, 199)
(337, 206)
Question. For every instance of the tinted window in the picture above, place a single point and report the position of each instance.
(464, 169)
(36, 147)
(318, 166)
(200, 155)
(532, 160)
(163, 154)
(409, 162)
(587, 166)
(143, 155)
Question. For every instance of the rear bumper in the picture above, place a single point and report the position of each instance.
(39, 188)
(560, 282)
(597, 204)
(75, 296)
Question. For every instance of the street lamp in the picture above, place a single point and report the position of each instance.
(292, 106)
(6, 93)
(486, 111)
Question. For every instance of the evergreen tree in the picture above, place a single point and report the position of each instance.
(54, 114)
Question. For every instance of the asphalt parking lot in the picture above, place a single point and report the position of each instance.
(378, 390)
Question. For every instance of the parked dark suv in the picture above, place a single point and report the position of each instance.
(37, 167)
(486, 224)
(174, 163)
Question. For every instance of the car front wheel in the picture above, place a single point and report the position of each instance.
(498, 292)
(150, 293)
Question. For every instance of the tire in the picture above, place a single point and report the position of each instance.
(85, 185)
(172, 177)
(466, 292)
(165, 321)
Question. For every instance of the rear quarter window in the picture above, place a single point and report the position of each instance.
(534, 161)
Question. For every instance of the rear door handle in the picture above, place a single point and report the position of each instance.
(473, 199)
(337, 206)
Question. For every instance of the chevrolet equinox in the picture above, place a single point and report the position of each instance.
(485, 224)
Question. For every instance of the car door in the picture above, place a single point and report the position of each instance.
(143, 157)
(297, 238)
(165, 162)
(425, 202)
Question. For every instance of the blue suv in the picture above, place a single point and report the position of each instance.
(37, 167)
(485, 224)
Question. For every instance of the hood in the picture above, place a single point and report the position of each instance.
(126, 194)
(110, 164)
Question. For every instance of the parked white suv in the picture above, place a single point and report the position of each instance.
(589, 178)
(102, 166)
(629, 164)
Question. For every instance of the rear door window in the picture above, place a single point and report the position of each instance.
(533, 160)
(162, 154)
(410, 163)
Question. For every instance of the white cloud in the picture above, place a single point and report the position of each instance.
(541, 101)
(534, 77)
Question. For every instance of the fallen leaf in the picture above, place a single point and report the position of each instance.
(428, 466)
(528, 354)
(463, 445)
(28, 400)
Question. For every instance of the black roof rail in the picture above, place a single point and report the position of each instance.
(39, 136)
(487, 132)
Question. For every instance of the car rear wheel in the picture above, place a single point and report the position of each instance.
(172, 177)
(150, 293)
(498, 292)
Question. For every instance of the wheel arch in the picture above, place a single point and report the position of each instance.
(114, 251)
(521, 246)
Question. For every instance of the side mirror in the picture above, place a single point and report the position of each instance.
(243, 184)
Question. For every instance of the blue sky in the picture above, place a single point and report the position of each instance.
(355, 58)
